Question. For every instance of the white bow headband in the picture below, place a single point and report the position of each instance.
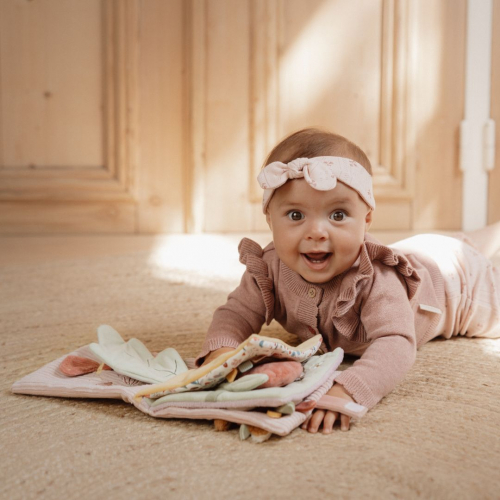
(321, 173)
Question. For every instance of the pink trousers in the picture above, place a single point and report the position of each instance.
(471, 282)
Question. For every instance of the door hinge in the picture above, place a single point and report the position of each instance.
(489, 145)
(467, 150)
(465, 145)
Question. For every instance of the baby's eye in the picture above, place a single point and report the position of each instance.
(295, 215)
(338, 216)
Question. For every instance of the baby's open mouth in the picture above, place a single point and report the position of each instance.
(317, 258)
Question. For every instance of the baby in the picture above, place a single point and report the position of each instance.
(323, 273)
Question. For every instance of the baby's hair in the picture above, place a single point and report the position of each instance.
(312, 142)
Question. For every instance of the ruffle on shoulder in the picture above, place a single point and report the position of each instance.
(373, 251)
(251, 254)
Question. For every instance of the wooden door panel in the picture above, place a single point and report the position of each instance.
(82, 149)
(440, 106)
(52, 91)
(161, 122)
(227, 88)
(330, 69)
(163, 115)
(356, 68)
(349, 66)
(64, 121)
(52, 217)
(494, 177)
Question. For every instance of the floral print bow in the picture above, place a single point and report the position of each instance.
(321, 173)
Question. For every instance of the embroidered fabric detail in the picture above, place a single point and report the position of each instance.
(251, 256)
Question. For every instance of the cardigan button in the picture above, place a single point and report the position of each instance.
(311, 293)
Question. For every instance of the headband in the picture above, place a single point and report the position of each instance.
(321, 173)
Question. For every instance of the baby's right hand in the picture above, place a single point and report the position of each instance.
(214, 354)
(328, 418)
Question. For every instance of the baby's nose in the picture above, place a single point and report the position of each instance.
(317, 230)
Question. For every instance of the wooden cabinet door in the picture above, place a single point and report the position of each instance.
(155, 116)
(386, 74)
(92, 112)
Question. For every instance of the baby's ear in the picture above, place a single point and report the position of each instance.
(368, 220)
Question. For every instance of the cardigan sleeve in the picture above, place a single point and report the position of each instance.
(243, 314)
(388, 319)
(247, 307)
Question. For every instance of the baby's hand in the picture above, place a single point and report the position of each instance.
(329, 417)
(214, 354)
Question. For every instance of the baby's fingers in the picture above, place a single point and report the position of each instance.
(328, 421)
(344, 422)
(312, 425)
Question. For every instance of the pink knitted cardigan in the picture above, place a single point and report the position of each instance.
(381, 309)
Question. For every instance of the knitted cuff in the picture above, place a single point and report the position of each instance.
(361, 393)
(214, 344)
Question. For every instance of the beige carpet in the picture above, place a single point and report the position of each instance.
(436, 436)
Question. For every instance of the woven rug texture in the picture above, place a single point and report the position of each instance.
(437, 435)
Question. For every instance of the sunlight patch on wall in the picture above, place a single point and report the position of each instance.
(313, 61)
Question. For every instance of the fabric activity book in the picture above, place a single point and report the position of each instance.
(265, 385)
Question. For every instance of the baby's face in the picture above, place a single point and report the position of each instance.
(317, 234)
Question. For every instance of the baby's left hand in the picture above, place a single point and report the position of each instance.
(329, 417)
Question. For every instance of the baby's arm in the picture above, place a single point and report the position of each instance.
(328, 418)
(389, 322)
(243, 314)
(388, 319)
